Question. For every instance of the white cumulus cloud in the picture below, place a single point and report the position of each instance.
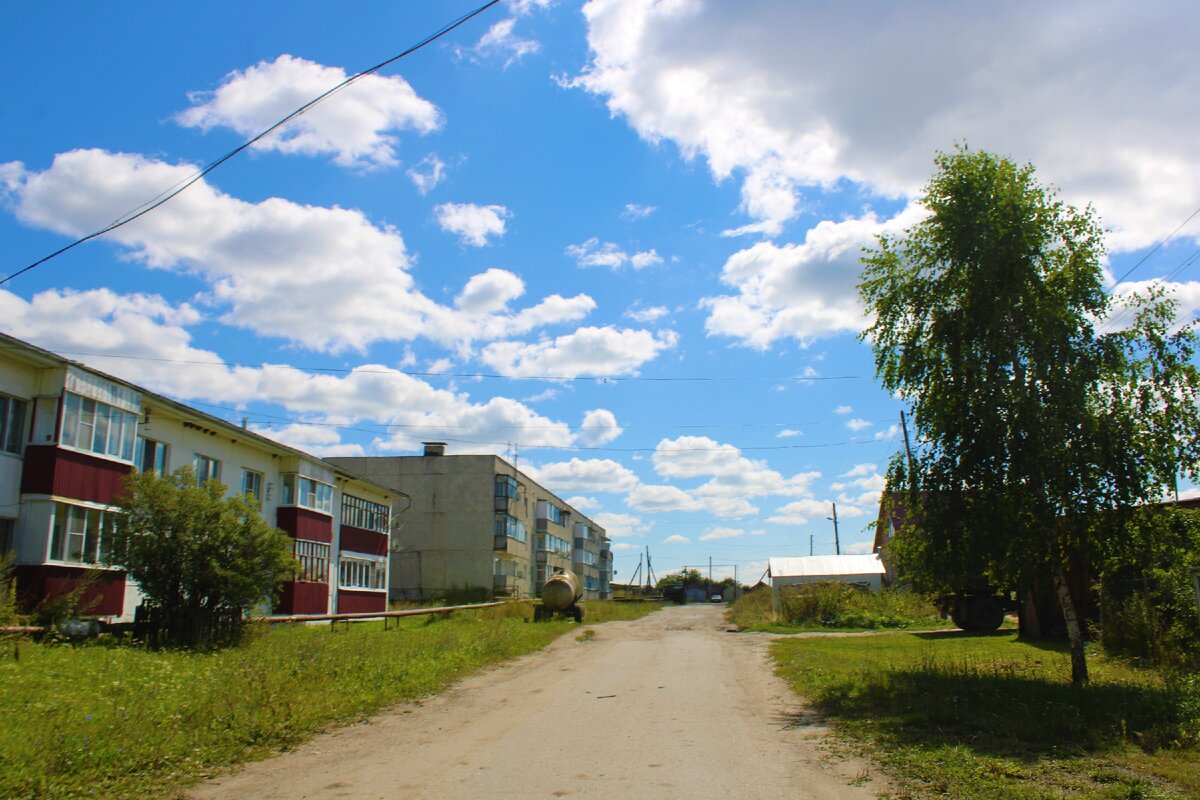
(352, 125)
(472, 223)
(584, 475)
(599, 427)
(589, 351)
(427, 173)
(716, 534)
(323, 277)
(784, 97)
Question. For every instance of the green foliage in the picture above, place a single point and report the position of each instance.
(1148, 601)
(110, 721)
(192, 549)
(834, 605)
(990, 716)
(1030, 418)
(691, 577)
(8, 590)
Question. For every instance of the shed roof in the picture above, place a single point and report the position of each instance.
(816, 566)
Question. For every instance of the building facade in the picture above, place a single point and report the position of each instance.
(476, 526)
(70, 434)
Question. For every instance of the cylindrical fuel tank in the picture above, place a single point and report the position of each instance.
(561, 591)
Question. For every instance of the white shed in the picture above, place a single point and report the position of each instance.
(862, 570)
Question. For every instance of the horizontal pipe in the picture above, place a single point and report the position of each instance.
(410, 612)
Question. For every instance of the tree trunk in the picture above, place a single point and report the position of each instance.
(1079, 670)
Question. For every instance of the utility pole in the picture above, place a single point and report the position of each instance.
(810, 544)
(837, 545)
(709, 575)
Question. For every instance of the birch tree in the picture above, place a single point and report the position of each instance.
(1045, 412)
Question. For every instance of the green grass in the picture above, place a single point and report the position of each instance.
(834, 607)
(988, 716)
(108, 720)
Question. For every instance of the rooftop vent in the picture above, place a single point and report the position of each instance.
(435, 448)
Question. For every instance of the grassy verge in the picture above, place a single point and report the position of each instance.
(834, 607)
(107, 720)
(988, 716)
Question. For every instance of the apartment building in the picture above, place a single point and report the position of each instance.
(477, 526)
(70, 434)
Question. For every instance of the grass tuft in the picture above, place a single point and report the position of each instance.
(111, 720)
(989, 716)
(834, 606)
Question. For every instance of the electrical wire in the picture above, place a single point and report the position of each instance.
(461, 375)
(169, 194)
(1156, 248)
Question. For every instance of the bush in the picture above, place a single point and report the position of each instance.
(8, 591)
(835, 605)
(1148, 600)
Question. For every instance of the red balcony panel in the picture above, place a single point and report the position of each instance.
(302, 523)
(37, 583)
(66, 473)
(358, 540)
(303, 598)
(355, 602)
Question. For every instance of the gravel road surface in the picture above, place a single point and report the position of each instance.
(668, 706)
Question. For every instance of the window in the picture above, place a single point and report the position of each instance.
(553, 544)
(12, 424)
(586, 557)
(510, 526)
(362, 573)
(207, 468)
(80, 535)
(252, 483)
(98, 427)
(301, 491)
(364, 514)
(312, 561)
(506, 486)
(548, 511)
(151, 456)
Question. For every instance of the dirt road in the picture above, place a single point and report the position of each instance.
(669, 706)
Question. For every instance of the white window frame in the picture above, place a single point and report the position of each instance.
(312, 561)
(13, 413)
(252, 485)
(91, 426)
(206, 467)
(362, 573)
(300, 490)
(368, 515)
(160, 462)
(89, 525)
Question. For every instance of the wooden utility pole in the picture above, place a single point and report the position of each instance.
(837, 545)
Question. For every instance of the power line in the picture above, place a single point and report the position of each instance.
(462, 375)
(182, 186)
(1112, 322)
(385, 427)
(1156, 247)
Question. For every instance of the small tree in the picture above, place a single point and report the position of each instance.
(1039, 432)
(194, 551)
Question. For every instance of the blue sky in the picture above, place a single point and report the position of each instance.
(617, 241)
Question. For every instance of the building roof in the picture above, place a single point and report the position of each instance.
(819, 566)
(30, 353)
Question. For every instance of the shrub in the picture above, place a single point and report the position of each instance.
(835, 605)
(1148, 601)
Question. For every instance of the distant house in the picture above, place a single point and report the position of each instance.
(860, 570)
